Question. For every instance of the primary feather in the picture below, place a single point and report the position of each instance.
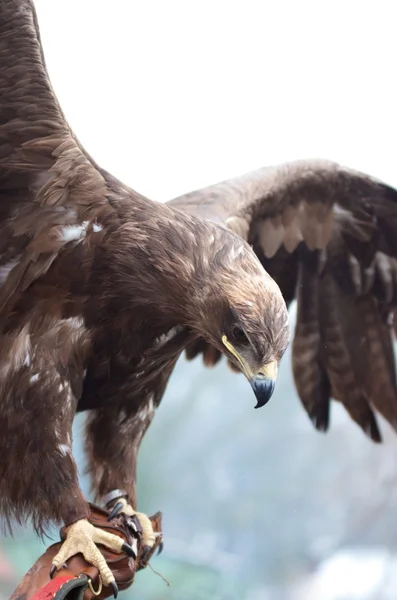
(327, 234)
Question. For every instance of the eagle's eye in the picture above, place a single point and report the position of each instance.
(239, 335)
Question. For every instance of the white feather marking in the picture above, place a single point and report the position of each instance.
(75, 322)
(146, 411)
(151, 409)
(292, 236)
(74, 232)
(271, 237)
(341, 212)
(314, 224)
(7, 268)
(27, 359)
(97, 227)
(34, 378)
(64, 449)
(18, 355)
(385, 272)
(142, 414)
(355, 271)
(166, 337)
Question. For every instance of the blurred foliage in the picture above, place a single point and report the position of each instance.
(254, 501)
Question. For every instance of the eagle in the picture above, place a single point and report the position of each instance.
(102, 290)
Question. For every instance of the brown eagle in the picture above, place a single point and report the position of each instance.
(101, 290)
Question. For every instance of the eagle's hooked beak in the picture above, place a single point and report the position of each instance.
(263, 382)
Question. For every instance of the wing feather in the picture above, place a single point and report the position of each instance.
(211, 355)
(328, 236)
(310, 376)
(50, 187)
(346, 356)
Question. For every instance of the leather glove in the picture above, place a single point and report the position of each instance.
(81, 581)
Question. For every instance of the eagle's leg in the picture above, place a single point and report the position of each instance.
(82, 537)
(120, 504)
(113, 438)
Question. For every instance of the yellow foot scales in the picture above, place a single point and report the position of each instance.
(148, 535)
(83, 537)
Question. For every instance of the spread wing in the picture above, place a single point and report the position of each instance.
(328, 236)
(51, 192)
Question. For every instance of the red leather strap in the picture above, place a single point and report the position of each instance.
(49, 590)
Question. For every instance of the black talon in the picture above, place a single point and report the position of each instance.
(160, 548)
(115, 510)
(132, 526)
(115, 589)
(138, 524)
(128, 550)
(145, 553)
(52, 571)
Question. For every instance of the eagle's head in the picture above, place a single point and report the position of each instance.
(239, 309)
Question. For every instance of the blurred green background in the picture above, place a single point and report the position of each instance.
(257, 504)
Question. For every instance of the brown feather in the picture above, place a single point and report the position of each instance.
(336, 228)
(345, 357)
(310, 376)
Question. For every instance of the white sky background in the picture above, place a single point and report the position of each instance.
(172, 95)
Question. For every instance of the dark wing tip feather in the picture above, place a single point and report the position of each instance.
(372, 430)
(194, 348)
(211, 355)
(319, 415)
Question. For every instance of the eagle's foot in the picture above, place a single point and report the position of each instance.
(143, 525)
(82, 537)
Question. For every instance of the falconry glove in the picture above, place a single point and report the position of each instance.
(79, 580)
